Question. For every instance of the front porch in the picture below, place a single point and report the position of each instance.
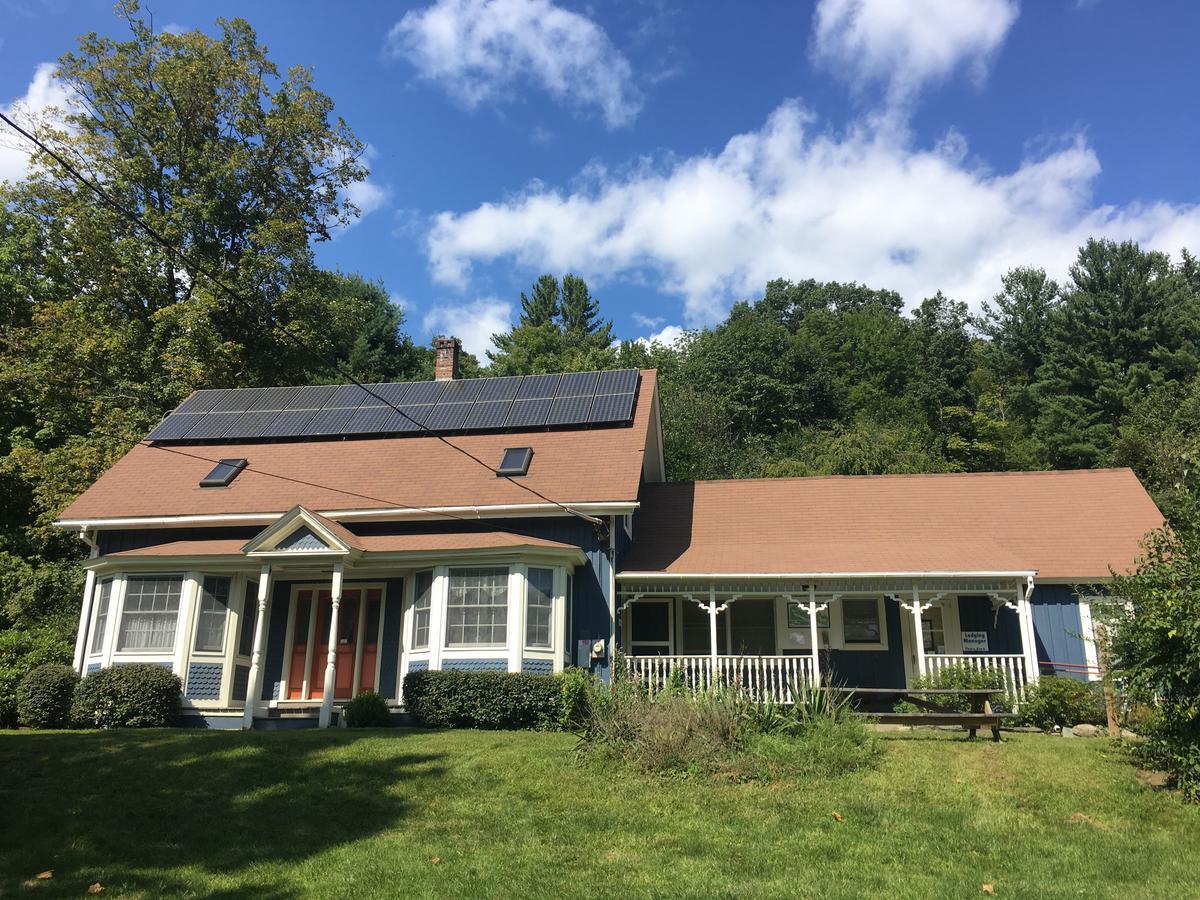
(770, 635)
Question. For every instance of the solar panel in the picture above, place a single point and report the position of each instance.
(612, 408)
(537, 386)
(200, 401)
(289, 423)
(329, 421)
(577, 384)
(507, 402)
(528, 414)
(253, 423)
(488, 415)
(425, 392)
(448, 416)
(175, 426)
(569, 411)
(461, 391)
(498, 388)
(617, 381)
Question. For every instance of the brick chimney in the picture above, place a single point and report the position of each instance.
(446, 351)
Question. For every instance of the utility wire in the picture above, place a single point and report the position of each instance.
(233, 294)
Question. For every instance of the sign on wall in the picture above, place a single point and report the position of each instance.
(975, 642)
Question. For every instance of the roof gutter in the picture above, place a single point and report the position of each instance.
(430, 513)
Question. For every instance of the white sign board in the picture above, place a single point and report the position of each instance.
(975, 642)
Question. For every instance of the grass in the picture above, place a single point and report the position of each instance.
(386, 813)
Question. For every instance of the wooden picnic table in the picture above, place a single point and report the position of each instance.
(981, 714)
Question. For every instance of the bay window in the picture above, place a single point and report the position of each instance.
(477, 607)
(539, 608)
(150, 613)
(101, 620)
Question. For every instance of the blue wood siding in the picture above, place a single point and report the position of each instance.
(389, 651)
(277, 616)
(241, 682)
(871, 668)
(1003, 628)
(1058, 626)
(537, 666)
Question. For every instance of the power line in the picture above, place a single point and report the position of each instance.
(233, 294)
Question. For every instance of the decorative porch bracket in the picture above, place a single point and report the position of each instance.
(335, 601)
(713, 610)
(254, 681)
(916, 607)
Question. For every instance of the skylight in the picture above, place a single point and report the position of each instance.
(515, 461)
(225, 471)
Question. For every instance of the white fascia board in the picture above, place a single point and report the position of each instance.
(815, 576)
(432, 513)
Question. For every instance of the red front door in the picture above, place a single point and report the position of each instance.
(347, 643)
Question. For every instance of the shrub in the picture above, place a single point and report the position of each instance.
(1058, 700)
(454, 699)
(576, 698)
(44, 696)
(131, 696)
(367, 710)
(21, 652)
(962, 676)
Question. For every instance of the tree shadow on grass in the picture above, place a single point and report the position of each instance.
(133, 810)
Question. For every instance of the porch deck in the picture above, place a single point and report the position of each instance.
(772, 677)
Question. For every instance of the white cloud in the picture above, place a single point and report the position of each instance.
(481, 50)
(44, 92)
(473, 323)
(907, 45)
(367, 196)
(790, 201)
(647, 321)
(667, 336)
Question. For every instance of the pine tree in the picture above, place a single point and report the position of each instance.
(580, 316)
(541, 306)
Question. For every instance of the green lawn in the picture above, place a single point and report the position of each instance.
(337, 813)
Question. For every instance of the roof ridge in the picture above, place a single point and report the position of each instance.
(896, 475)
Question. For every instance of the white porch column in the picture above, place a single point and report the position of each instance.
(814, 634)
(919, 631)
(85, 618)
(254, 681)
(335, 601)
(712, 627)
(1028, 634)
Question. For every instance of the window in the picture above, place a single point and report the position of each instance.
(423, 591)
(223, 473)
(210, 620)
(151, 612)
(933, 630)
(860, 622)
(539, 607)
(515, 461)
(101, 622)
(477, 608)
(250, 619)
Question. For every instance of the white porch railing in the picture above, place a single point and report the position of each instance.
(764, 677)
(1011, 664)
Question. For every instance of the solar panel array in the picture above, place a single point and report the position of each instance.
(518, 402)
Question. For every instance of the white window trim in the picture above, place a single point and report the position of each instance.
(153, 655)
(411, 607)
(99, 653)
(837, 626)
(211, 655)
(1087, 626)
(515, 580)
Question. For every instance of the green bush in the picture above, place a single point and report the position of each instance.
(44, 696)
(1062, 701)
(455, 699)
(367, 710)
(139, 695)
(962, 676)
(576, 698)
(20, 653)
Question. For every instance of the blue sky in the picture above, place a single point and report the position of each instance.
(679, 155)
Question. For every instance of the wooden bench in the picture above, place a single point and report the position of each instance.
(980, 716)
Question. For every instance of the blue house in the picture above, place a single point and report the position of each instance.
(284, 549)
